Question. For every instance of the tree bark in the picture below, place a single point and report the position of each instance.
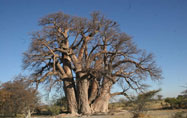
(69, 86)
(71, 99)
(93, 90)
(83, 103)
(102, 101)
(82, 87)
(28, 114)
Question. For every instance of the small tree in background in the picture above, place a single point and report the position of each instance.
(140, 102)
(17, 97)
(159, 97)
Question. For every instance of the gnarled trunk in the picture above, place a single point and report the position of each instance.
(82, 87)
(71, 97)
(83, 103)
(102, 101)
(69, 86)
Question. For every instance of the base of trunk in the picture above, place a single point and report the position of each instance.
(71, 98)
(83, 104)
(101, 104)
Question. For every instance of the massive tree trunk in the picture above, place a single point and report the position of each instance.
(82, 85)
(102, 101)
(83, 103)
(71, 98)
(69, 86)
(69, 83)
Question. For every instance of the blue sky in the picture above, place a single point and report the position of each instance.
(159, 26)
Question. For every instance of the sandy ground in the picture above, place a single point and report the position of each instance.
(126, 114)
(163, 113)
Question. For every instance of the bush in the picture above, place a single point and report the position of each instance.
(140, 102)
(172, 102)
(179, 102)
(54, 110)
(61, 102)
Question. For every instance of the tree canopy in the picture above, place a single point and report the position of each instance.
(87, 55)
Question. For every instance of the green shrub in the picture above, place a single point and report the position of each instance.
(179, 102)
(172, 102)
(54, 110)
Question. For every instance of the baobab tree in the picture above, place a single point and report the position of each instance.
(88, 55)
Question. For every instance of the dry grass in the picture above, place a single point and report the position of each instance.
(118, 111)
